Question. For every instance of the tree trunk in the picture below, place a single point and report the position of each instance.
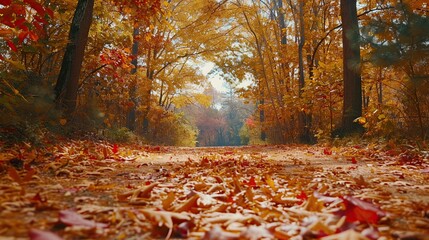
(66, 88)
(304, 118)
(352, 107)
(282, 22)
(131, 116)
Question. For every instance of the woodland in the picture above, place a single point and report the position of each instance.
(113, 126)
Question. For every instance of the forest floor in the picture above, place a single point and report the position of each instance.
(94, 190)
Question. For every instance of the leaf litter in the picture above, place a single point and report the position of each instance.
(84, 189)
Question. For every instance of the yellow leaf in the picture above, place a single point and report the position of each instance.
(381, 117)
(360, 120)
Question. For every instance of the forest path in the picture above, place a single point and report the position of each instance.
(97, 190)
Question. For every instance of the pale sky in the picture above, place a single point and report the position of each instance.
(215, 79)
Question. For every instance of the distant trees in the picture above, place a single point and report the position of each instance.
(304, 66)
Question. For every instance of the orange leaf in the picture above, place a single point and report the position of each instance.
(188, 204)
(14, 175)
(30, 173)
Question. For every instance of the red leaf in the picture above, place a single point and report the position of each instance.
(22, 36)
(12, 45)
(354, 160)
(115, 149)
(36, 6)
(302, 196)
(361, 211)
(72, 218)
(36, 234)
(20, 23)
(18, 9)
(252, 182)
(327, 151)
(5, 2)
(50, 12)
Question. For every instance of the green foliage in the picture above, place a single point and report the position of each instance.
(244, 135)
(123, 135)
(32, 133)
(170, 128)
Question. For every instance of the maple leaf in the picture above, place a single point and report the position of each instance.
(359, 210)
(327, 151)
(72, 218)
(115, 148)
(35, 234)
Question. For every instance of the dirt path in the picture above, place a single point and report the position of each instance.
(85, 190)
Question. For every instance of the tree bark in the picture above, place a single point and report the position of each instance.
(131, 116)
(66, 88)
(303, 118)
(352, 107)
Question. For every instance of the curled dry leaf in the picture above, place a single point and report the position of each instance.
(35, 234)
(72, 218)
(187, 205)
(164, 218)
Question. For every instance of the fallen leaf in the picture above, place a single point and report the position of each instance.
(186, 206)
(359, 210)
(35, 234)
(72, 218)
(346, 235)
(164, 218)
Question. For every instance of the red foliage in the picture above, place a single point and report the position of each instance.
(327, 151)
(357, 210)
(13, 15)
(115, 149)
(252, 182)
(302, 196)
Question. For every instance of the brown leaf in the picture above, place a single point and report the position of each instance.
(14, 175)
(186, 206)
(72, 218)
(30, 173)
(164, 218)
(166, 203)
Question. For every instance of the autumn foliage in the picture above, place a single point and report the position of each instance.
(143, 69)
